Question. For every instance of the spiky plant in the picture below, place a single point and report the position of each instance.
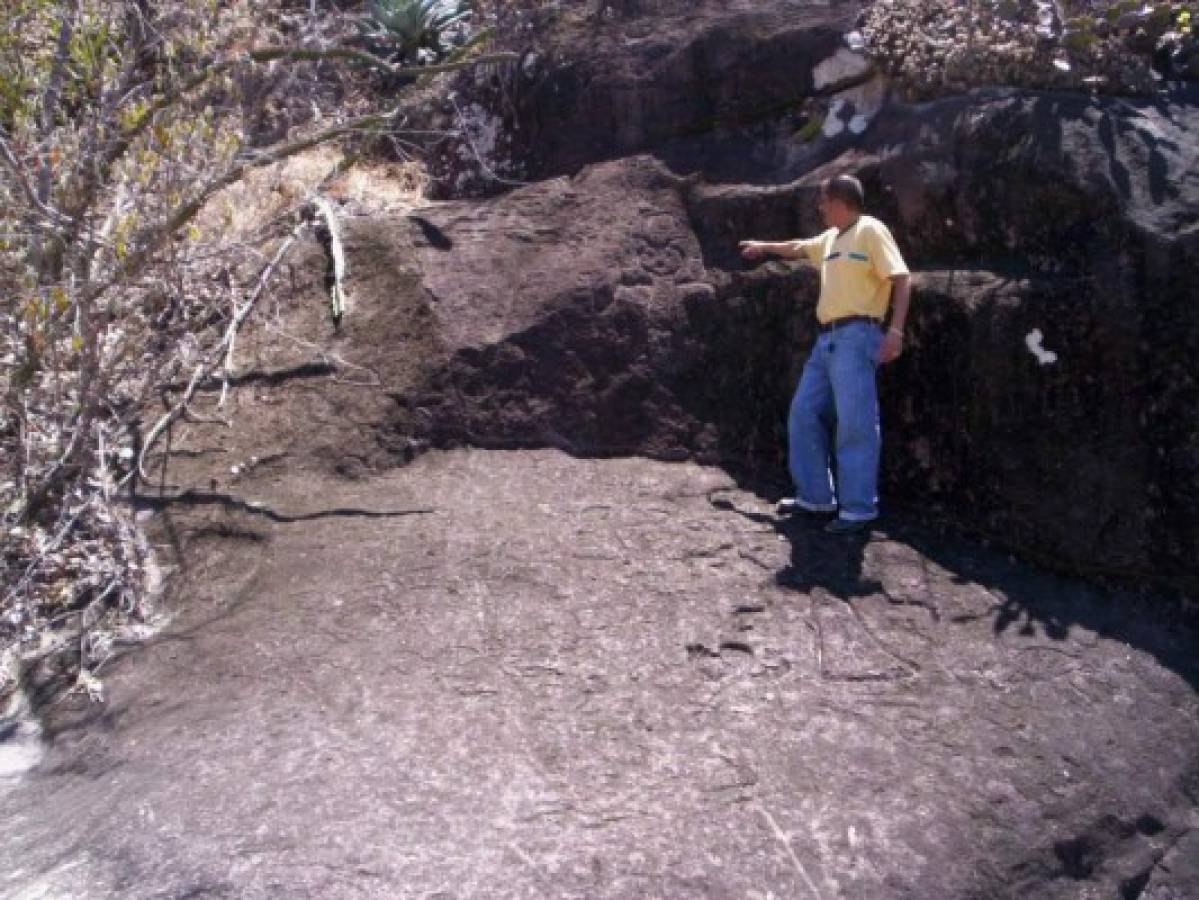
(411, 24)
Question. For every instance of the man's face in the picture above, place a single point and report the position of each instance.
(834, 212)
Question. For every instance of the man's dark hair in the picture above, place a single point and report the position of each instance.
(847, 189)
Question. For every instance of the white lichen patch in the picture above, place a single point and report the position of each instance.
(833, 123)
(481, 148)
(483, 129)
(841, 66)
(21, 747)
(854, 109)
(1033, 341)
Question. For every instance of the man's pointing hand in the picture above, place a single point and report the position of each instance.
(753, 250)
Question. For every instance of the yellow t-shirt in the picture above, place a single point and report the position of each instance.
(855, 269)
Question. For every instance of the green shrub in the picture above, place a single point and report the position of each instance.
(408, 25)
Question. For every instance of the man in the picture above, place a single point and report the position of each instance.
(835, 408)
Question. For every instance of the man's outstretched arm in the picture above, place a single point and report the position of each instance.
(785, 249)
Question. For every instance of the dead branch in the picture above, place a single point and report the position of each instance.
(263, 277)
(98, 170)
(327, 356)
(297, 54)
(337, 294)
(156, 236)
(13, 166)
(204, 371)
(50, 548)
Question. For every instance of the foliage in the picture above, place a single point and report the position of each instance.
(119, 121)
(810, 130)
(409, 25)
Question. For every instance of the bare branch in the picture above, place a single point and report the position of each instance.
(206, 368)
(156, 236)
(13, 165)
(117, 148)
(54, 89)
(297, 54)
(337, 293)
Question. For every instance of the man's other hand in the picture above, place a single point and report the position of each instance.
(891, 348)
(753, 250)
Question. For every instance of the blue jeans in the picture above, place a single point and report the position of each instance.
(837, 400)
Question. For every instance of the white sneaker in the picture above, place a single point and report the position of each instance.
(789, 506)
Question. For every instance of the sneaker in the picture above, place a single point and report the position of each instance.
(845, 526)
(789, 506)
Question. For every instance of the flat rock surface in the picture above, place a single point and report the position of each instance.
(521, 674)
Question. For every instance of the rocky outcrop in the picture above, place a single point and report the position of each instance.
(1048, 396)
(675, 79)
(561, 303)
(1047, 399)
(527, 674)
(1039, 217)
(514, 675)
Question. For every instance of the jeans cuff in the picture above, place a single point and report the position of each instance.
(857, 517)
(815, 507)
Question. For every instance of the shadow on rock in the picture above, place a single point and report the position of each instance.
(1028, 602)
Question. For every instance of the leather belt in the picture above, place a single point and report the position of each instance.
(847, 320)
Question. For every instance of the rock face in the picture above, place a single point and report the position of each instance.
(1084, 212)
(1048, 396)
(514, 675)
(672, 76)
(562, 303)
(1069, 218)
(529, 674)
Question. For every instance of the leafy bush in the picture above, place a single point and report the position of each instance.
(120, 122)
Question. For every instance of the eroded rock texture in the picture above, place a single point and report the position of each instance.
(521, 674)
(513, 674)
(1048, 396)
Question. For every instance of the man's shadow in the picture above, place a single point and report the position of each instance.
(1028, 601)
(819, 559)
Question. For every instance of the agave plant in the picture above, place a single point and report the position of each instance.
(411, 24)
